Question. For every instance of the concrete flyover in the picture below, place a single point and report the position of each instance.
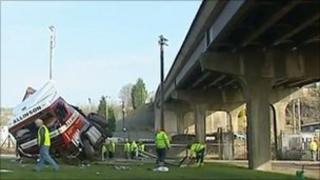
(243, 52)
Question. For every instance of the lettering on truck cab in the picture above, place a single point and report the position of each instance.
(27, 114)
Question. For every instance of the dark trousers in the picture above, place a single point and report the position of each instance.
(111, 154)
(161, 153)
(200, 156)
(133, 154)
(127, 155)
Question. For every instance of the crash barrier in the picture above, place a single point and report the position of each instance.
(225, 151)
(175, 162)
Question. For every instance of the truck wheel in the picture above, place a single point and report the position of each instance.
(88, 149)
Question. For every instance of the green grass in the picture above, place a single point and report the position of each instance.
(209, 171)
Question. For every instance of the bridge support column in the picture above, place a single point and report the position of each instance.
(200, 122)
(280, 112)
(258, 115)
(180, 122)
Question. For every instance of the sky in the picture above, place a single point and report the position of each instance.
(100, 46)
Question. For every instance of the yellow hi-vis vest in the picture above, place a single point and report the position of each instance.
(133, 146)
(313, 146)
(141, 147)
(126, 147)
(47, 140)
(112, 147)
(104, 148)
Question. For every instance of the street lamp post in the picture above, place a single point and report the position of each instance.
(90, 105)
(123, 116)
(52, 30)
(162, 42)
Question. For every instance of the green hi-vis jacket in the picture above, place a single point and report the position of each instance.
(141, 147)
(112, 147)
(162, 140)
(126, 147)
(133, 146)
(197, 147)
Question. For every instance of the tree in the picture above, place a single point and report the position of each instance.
(88, 108)
(125, 95)
(242, 120)
(102, 107)
(111, 119)
(5, 115)
(111, 116)
(138, 94)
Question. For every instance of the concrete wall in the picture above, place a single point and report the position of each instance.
(189, 122)
(215, 120)
(170, 123)
(139, 124)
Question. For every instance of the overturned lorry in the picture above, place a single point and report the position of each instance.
(74, 136)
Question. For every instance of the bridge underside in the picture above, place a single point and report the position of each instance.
(246, 52)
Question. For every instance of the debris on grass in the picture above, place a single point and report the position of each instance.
(121, 168)
(120, 163)
(161, 169)
(5, 171)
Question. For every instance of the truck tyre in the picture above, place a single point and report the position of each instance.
(88, 149)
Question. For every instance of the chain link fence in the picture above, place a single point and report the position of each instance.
(296, 146)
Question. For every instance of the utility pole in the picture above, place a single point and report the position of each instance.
(90, 105)
(52, 30)
(162, 42)
(123, 115)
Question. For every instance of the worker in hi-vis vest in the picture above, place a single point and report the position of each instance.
(141, 148)
(111, 149)
(104, 150)
(134, 150)
(197, 151)
(313, 149)
(44, 143)
(126, 149)
(162, 145)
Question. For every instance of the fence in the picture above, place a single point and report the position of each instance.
(296, 146)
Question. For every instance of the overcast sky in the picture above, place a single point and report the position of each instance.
(100, 46)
